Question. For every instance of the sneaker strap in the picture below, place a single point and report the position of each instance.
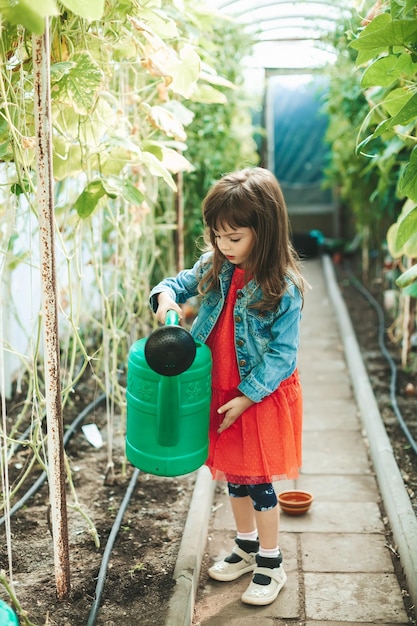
(243, 555)
(275, 574)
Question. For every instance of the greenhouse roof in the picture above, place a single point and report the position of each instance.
(289, 35)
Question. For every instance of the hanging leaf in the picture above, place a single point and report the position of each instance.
(79, 84)
(185, 71)
(408, 181)
(396, 100)
(23, 12)
(402, 235)
(175, 162)
(407, 228)
(67, 158)
(88, 199)
(408, 277)
(206, 94)
(383, 33)
(407, 114)
(215, 79)
(156, 168)
(386, 70)
(160, 23)
(115, 186)
(165, 121)
(90, 10)
(411, 290)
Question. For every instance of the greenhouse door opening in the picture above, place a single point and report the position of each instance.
(297, 151)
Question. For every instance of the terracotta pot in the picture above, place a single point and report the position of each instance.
(295, 502)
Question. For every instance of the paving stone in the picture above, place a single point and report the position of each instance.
(345, 553)
(334, 452)
(341, 517)
(224, 606)
(330, 414)
(351, 488)
(360, 597)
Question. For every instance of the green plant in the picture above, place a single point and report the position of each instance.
(373, 108)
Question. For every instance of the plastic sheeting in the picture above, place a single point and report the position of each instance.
(297, 151)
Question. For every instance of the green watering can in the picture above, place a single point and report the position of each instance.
(168, 401)
(7, 616)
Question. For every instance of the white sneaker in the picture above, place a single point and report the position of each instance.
(265, 594)
(230, 571)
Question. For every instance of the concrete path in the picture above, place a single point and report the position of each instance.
(339, 566)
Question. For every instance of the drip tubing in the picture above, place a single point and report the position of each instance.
(68, 434)
(381, 333)
(101, 579)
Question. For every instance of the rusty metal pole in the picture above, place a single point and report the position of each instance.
(45, 201)
(179, 235)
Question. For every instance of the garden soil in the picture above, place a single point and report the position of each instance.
(139, 581)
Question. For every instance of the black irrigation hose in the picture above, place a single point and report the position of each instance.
(381, 333)
(68, 434)
(26, 433)
(101, 579)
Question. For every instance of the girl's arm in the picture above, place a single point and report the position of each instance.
(232, 410)
(176, 290)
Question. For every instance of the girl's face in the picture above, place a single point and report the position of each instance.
(235, 243)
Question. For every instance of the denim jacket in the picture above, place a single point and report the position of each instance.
(266, 342)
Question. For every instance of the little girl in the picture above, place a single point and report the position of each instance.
(251, 292)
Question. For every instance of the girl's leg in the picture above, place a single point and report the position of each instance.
(267, 523)
(243, 557)
(269, 577)
(244, 514)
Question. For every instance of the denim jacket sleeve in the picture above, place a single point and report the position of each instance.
(182, 286)
(279, 359)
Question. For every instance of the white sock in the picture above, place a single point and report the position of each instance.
(252, 536)
(269, 553)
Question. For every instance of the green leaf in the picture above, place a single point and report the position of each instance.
(89, 9)
(408, 277)
(410, 247)
(384, 33)
(185, 71)
(157, 169)
(23, 12)
(411, 290)
(396, 100)
(410, 6)
(58, 70)
(206, 94)
(386, 70)
(79, 85)
(408, 181)
(407, 113)
(88, 199)
(116, 186)
(407, 228)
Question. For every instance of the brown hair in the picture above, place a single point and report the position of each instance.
(253, 198)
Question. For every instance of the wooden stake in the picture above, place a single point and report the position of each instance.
(45, 200)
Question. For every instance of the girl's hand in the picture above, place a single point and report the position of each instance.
(232, 410)
(166, 303)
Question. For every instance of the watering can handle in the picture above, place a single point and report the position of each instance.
(172, 318)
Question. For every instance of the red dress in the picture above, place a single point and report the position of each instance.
(264, 443)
